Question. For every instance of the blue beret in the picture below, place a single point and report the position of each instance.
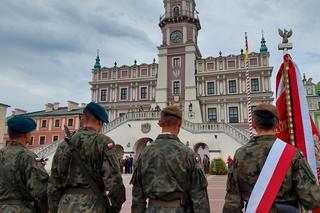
(98, 111)
(21, 124)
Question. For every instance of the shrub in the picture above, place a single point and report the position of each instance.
(218, 167)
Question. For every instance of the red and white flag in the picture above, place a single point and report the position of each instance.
(305, 132)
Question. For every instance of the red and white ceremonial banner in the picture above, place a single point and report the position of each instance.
(305, 132)
(271, 177)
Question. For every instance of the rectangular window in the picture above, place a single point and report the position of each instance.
(233, 115)
(31, 140)
(176, 62)
(42, 140)
(143, 92)
(212, 114)
(43, 123)
(55, 137)
(210, 88)
(254, 84)
(57, 123)
(210, 66)
(121, 114)
(70, 122)
(232, 86)
(103, 95)
(253, 108)
(253, 62)
(123, 93)
(176, 87)
(104, 75)
(231, 64)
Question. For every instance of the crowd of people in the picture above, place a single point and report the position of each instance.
(126, 164)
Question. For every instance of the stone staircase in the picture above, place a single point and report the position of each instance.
(238, 135)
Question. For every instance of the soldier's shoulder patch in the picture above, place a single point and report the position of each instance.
(110, 145)
(43, 161)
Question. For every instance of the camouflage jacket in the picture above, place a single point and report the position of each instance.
(100, 158)
(299, 184)
(25, 173)
(165, 170)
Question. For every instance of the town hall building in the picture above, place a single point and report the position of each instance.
(207, 89)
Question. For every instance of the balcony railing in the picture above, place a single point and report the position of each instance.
(182, 13)
(237, 134)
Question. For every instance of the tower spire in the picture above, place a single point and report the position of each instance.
(263, 48)
(97, 64)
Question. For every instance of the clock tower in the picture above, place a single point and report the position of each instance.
(176, 82)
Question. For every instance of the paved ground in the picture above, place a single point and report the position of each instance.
(216, 190)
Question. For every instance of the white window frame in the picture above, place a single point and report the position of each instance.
(143, 68)
(212, 107)
(210, 62)
(40, 139)
(107, 95)
(229, 113)
(214, 87)
(55, 123)
(122, 76)
(235, 64)
(126, 95)
(147, 95)
(173, 58)
(173, 87)
(55, 136)
(259, 84)
(228, 90)
(256, 65)
(46, 123)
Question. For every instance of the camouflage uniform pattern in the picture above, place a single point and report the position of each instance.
(100, 159)
(27, 174)
(299, 184)
(165, 170)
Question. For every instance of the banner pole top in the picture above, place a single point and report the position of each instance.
(285, 45)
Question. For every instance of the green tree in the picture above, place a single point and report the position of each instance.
(218, 167)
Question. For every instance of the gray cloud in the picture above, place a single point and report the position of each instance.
(48, 47)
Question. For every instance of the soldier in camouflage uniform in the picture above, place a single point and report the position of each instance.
(299, 186)
(168, 173)
(23, 179)
(68, 189)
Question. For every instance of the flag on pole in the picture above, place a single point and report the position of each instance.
(295, 123)
(248, 87)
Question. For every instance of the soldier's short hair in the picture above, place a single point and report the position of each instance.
(169, 120)
(264, 120)
(13, 134)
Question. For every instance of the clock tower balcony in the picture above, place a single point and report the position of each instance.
(184, 16)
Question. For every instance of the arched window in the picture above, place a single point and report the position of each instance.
(176, 12)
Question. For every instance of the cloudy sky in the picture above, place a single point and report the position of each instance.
(48, 48)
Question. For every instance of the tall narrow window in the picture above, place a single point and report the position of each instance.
(210, 88)
(233, 115)
(43, 123)
(70, 122)
(255, 85)
(123, 94)
(212, 114)
(103, 95)
(143, 92)
(55, 137)
(31, 140)
(42, 140)
(176, 12)
(176, 87)
(176, 62)
(57, 123)
(232, 86)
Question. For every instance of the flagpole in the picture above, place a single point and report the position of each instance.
(285, 46)
(248, 88)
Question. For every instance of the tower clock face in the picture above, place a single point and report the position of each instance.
(176, 36)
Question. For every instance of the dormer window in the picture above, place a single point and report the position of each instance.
(176, 12)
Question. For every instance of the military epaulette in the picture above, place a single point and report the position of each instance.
(43, 161)
(110, 145)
